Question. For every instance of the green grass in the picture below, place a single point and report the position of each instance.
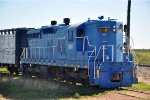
(141, 86)
(143, 56)
(3, 70)
(65, 91)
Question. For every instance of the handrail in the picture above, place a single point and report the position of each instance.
(90, 44)
(93, 51)
(26, 51)
(95, 61)
(112, 46)
(133, 52)
(135, 57)
(103, 47)
(86, 37)
(89, 61)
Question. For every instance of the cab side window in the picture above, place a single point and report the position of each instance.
(80, 33)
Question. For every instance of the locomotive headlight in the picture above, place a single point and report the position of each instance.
(116, 77)
(114, 28)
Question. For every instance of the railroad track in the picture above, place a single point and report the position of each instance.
(135, 93)
(143, 92)
(130, 96)
(143, 65)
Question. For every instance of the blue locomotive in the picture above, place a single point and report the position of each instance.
(91, 52)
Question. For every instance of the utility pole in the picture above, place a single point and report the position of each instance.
(127, 28)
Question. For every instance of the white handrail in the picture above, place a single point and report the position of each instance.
(26, 49)
(112, 53)
(135, 57)
(89, 61)
(103, 53)
(94, 51)
(112, 46)
(102, 47)
(90, 44)
(133, 52)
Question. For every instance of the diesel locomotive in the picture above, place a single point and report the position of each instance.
(91, 53)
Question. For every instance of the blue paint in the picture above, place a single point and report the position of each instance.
(96, 43)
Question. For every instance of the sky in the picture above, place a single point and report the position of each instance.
(37, 13)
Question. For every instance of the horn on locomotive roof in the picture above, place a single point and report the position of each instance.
(53, 22)
(66, 21)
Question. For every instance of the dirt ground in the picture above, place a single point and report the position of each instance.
(110, 96)
(143, 76)
(2, 98)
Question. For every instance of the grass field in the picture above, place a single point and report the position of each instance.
(143, 56)
(64, 91)
(3, 70)
(141, 86)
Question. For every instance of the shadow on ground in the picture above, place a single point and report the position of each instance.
(31, 89)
